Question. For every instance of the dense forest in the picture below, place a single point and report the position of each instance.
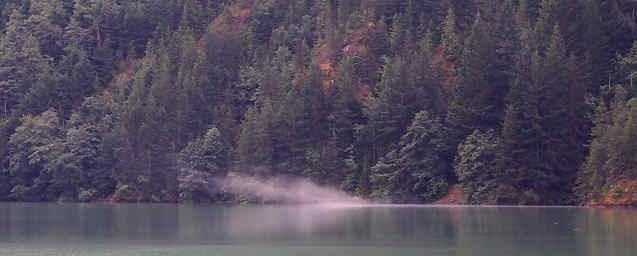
(512, 101)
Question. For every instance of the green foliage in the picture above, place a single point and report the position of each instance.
(477, 172)
(23, 68)
(193, 16)
(417, 170)
(450, 39)
(483, 81)
(612, 151)
(626, 69)
(202, 164)
(379, 41)
(379, 97)
(31, 147)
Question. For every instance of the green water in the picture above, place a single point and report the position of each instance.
(147, 229)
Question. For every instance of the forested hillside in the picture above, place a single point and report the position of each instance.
(513, 101)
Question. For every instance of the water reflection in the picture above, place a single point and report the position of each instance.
(429, 230)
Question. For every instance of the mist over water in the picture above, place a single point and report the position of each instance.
(290, 190)
(312, 229)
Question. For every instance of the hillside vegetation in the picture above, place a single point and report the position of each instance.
(501, 101)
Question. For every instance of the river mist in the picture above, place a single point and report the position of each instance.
(288, 190)
(47, 229)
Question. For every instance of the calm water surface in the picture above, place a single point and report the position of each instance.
(147, 229)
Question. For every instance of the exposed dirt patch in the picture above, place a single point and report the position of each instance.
(454, 196)
(236, 18)
(328, 73)
(353, 43)
(130, 67)
(230, 22)
(357, 39)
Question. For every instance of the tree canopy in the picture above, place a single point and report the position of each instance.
(516, 102)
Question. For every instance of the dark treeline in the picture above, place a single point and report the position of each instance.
(515, 101)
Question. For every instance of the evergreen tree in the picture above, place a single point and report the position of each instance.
(549, 133)
(417, 169)
(202, 165)
(45, 22)
(348, 109)
(379, 43)
(247, 142)
(625, 69)
(30, 149)
(478, 103)
(22, 64)
(265, 137)
(450, 41)
(77, 81)
(477, 171)
(89, 144)
(193, 16)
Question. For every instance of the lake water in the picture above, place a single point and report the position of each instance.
(151, 229)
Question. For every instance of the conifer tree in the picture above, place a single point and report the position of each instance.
(399, 35)
(450, 41)
(30, 148)
(202, 165)
(193, 16)
(348, 108)
(379, 43)
(265, 137)
(77, 82)
(597, 44)
(247, 142)
(416, 170)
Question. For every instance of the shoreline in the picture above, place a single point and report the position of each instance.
(335, 205)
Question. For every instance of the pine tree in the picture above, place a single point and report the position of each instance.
(483, 84)
(478, 173)
(546, 21)
(347, 106)
(202, 163)
(399, 33)
(416, 170)
(193, 16)
(597, 43)
(379, 42)
(27, 74)
(265, 141)
(550, 131)
(247, 142)
(45, 22)
(450, 41)
(30, 149)
(77, 82)
(397, 101)
(625, 69)
(90, 142)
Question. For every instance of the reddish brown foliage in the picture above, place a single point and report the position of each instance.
(240, 17)
(447, 66)
(624, 193)
(454, 196)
